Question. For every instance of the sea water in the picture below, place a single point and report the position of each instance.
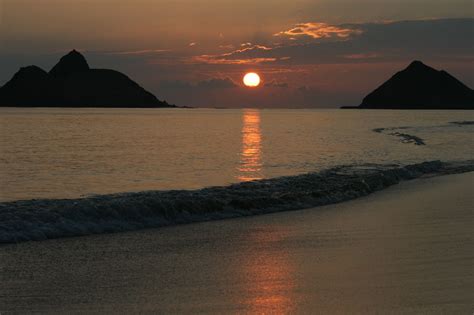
(71, 172)
(71, 153)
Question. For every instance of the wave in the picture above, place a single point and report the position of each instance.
(41, 219)
(409, 138)
(463, 122)
(404, 137)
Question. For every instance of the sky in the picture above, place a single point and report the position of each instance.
(309, 53)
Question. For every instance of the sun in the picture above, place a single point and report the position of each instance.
(251, 79)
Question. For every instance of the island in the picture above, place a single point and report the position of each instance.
(72, 83)
(419, 87)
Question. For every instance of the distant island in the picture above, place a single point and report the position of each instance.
(419, 87)
(72, 83)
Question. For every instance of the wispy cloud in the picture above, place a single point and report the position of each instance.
(248, 47)
(138, 52)
(219, 60)
(319, 30)
(239, 56)
(227, 46)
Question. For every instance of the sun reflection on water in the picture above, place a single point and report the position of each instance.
(268, 274)
(251, 154)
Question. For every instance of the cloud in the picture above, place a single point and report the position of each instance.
(210, 84)
(175, 84)
(319, 30)
(218, 60)
(237, 56)
(228, 46)
(447, 39)
(276, 84)
(217, 83)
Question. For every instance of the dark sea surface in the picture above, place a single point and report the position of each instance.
(70, 153)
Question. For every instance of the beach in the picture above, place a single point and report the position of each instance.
(404, 250)
(236, 157)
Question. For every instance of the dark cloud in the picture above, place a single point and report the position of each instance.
(312, 96)
(214, 83)
(276, 84)
(175, 84)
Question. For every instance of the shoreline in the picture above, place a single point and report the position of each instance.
(406, 249)
(42, 219)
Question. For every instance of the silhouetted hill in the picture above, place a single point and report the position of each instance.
(101, 86)
(420, 87)
(71, 63)
(71, 83)
(30, 86)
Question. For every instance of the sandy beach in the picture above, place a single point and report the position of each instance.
(407, 249)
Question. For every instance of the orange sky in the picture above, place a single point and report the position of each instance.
(309, 53)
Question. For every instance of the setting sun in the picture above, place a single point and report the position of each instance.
(251, 79)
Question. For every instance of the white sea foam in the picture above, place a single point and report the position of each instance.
(42, 219)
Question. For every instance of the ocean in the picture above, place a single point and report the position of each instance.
(71, 172)
(71, 153)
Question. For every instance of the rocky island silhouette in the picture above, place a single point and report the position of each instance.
(420, 87)
(72, 83)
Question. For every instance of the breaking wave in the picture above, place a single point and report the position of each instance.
(409, 138)
(54, 218)
(404, 137)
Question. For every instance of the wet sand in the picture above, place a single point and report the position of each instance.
(407, 249)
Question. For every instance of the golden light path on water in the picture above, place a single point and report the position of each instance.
(269, 272)
(250, 165)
